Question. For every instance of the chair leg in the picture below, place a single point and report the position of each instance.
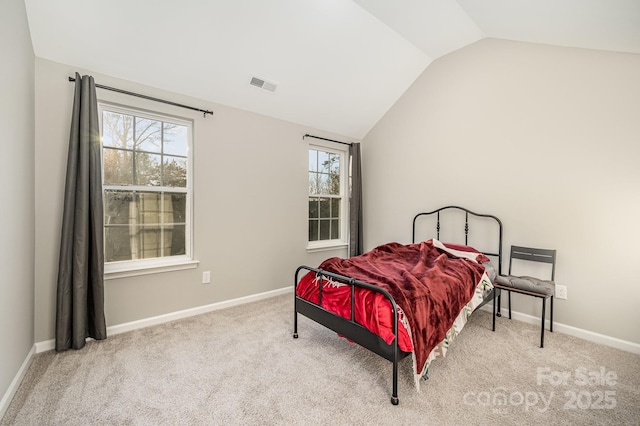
(499, 314)
(509, 303)
(544, 303)
(551, 316)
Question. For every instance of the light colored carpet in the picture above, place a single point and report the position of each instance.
(242, 366)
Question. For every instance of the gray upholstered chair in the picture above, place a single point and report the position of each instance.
(531, 286)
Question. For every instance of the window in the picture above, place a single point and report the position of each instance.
(327, 201)
(147, 188)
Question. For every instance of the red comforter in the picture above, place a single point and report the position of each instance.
(430, 286)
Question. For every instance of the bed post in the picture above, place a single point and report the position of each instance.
(295, 307)
(466, 228)
(394, 312)
(394, 394)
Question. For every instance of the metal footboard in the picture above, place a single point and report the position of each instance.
(348, 327)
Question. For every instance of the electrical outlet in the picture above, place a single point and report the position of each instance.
(561, 292)
(206, 277)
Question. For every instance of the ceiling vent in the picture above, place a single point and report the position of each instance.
(263, 84)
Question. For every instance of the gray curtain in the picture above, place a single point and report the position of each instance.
(356, 246)
(80, 294)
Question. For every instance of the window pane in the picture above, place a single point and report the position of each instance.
(147, 169)
(117, 130)
(175, 240)
(334, 163)
(324, 229)
(335, 207)
(335, 229)
(324, 207)
(147, 135)
(323, 183)
(313, 160)
(314, 187)
(147, 208)
(175, 206)
(313, 208)
(174, 171)
(313, 230)
(147, 243)
(323, 161)
(175, 139)
(165, 213)
(117, 244)
(116, 207)
(333, 184)
(118, 167)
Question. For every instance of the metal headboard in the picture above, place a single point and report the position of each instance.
(467, 213)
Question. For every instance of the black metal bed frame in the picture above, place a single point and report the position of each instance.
(357, 333)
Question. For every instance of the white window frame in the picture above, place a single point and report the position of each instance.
(120, 269)
(343, 241)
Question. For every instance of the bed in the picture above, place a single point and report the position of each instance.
(407, 300)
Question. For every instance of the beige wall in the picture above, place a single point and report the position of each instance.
(546, 138)
(16, 175)
(249, 214)
(566, 118)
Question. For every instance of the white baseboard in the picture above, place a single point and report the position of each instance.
(48, 345)
(13, 387)
(570, 330)
(160, 319)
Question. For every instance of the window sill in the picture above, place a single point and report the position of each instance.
(326, 247)
(127, 269)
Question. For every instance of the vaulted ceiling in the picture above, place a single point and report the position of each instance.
(337, 65)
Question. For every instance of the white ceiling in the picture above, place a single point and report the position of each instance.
(339, 65)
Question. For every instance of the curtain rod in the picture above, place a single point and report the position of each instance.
(113, 89)
(325, 139)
